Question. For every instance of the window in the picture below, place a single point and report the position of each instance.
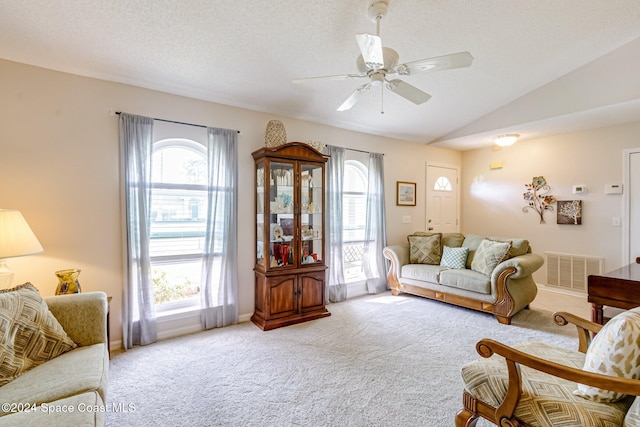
(442, 184)
(178, 221)
(354, 218)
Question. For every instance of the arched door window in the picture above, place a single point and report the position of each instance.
(443, 184)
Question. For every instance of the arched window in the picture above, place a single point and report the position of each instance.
(178, 220)
(442, 184)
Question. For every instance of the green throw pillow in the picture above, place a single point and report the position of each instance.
(454, 257)
(30, 335)
(488, 255)
(425, 249)
(518, 246)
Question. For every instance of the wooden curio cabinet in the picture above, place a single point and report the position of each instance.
(290, 232)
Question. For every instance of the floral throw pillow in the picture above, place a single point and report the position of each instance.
(615, 351)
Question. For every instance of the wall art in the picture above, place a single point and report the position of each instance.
(538, 197)
(570, 212)
(406, 193)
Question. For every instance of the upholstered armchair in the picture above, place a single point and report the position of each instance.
(537, 384)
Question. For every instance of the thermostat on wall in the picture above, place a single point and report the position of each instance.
(579, 189)
(613, 189)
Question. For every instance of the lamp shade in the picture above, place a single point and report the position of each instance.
(16, 237)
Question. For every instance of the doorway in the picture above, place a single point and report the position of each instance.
(442, 199)
(631, 210)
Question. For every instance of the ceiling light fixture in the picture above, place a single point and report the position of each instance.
(507, 139)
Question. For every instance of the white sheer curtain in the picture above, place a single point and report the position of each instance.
(336, 286)
(136, 142)
(219, 288)
(375, 229)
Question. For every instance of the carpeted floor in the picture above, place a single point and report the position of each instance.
(378, 360)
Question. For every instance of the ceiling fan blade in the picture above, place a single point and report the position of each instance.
(408, 91)
(322, 78)
(454, 60)
(351, 101)
(371, 49)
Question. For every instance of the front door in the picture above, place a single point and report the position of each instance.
(442, 199)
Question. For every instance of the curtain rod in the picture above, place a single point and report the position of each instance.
(176, 122)
(360, 151)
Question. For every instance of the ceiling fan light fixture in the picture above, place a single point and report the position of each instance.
(506, 139)
(378, 64)
(377, 79)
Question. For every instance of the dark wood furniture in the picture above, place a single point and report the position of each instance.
(618, 288)
(289, 269)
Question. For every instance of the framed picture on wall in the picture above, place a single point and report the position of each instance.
(570, 212)
(406, 193)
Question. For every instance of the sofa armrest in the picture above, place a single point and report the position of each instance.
(513, 286)
(83, 316)
(398, 255)
(525, 265)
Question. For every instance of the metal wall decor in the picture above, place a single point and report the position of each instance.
(538, 197)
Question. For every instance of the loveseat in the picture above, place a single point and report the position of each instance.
(489, 274)
(68, 389)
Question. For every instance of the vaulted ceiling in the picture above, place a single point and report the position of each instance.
(540, 67)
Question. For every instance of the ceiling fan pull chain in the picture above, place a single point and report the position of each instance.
(381, 99)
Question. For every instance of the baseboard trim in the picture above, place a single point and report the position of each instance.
(554, 290)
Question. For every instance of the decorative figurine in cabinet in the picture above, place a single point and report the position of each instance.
(290, 269)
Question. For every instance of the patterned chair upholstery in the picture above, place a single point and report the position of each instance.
(535, 384)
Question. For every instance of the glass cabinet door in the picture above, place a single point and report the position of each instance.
(311, 213)
(281, 218)
(260, 184)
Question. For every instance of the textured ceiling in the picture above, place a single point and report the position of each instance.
(245, 53)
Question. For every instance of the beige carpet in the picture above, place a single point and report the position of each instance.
(377, 361)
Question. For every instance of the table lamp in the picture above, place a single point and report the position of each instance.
(16, 239)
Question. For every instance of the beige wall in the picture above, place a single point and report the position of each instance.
(492, 200)
(59, 165)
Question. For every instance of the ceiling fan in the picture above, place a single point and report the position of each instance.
(376, 63)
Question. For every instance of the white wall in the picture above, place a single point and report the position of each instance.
(59, 165)
(492, 200)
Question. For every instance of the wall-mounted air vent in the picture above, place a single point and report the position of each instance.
(570, 272)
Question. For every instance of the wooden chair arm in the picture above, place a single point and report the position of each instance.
(586, 328)
(487, 347)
